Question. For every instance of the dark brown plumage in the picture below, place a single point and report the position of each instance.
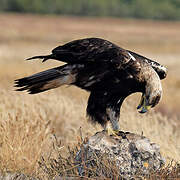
(108, 72)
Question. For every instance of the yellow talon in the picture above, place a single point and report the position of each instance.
(112, 132)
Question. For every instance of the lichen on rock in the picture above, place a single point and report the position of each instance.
(127, 155)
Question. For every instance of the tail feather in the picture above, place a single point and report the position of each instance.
(46, 80)
(45, 58)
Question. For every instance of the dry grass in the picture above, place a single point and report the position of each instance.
(67, 166)
(28, 122)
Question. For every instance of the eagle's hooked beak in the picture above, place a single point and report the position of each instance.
(143, 105)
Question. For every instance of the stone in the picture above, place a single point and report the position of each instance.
(15, 176)
(127, 155)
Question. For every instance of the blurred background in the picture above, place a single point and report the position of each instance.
(147, 9)
(28, 123)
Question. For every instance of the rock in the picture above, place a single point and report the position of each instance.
(15, 176)
(127, 155)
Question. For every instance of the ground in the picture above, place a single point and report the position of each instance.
(30, 124)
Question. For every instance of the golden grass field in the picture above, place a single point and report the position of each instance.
(30, 125)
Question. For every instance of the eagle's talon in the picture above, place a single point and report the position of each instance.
(116, 133)
(122, 134)
(112, 132)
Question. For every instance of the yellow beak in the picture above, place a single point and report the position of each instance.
(143, 105)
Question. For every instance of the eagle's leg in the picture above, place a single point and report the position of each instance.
(112, 125)
(113, 114)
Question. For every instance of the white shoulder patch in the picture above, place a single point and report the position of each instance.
(132, 57)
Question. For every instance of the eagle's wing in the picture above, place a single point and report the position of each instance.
(98, 50)
(95, 62)
(160, 69)
(91, 49)
(88, 50)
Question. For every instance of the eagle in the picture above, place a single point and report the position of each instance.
(109, 72)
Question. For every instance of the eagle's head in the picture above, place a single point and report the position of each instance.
(152, 94)
(149, 100)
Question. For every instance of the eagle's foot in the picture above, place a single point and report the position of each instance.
(112, 132)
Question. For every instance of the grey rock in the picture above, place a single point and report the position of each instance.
(15, 176)
(130, 154)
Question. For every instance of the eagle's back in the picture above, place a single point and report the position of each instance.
(99, 50)
(86, 50)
